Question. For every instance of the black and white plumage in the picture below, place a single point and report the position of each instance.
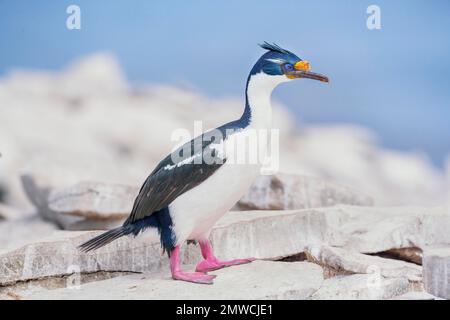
(195, 185)
(166, 182)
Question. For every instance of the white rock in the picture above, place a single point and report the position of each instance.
(350, 155)
(99, 74)
(92, 205)
(361, 229)
(287, 192)
(416, 295)
(237, 235)
(18, 232)
(251, 281)
(61, 198)
(360, 287)
(8, 212)
(39, 179)
(355, 262)
(58, 255)
(260, 234)
(378, 229)
(436, 271)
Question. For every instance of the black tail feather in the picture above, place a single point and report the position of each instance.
(160, 220)
(103, 239)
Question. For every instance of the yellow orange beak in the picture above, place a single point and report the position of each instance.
(302, 66)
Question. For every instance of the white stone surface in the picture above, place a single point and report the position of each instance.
(378, 229)
(361, 229)
(92, 205)
(436, 271)
(260, 234)
(58, 255)
(360, 287)
(257, 280)
(8, 212)
(416, 295)
(19, 232)
(355, 262)
(288, 192)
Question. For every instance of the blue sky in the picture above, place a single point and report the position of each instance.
(395, 80)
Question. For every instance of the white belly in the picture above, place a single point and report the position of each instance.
(195, 212)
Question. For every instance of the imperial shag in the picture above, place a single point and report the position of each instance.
(193, 187)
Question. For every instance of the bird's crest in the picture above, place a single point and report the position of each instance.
(274, 47)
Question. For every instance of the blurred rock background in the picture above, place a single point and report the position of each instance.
(87, 123)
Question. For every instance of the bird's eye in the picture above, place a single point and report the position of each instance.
(289, 67)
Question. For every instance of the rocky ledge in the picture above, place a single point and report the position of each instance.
(249, 281)
(339, 252)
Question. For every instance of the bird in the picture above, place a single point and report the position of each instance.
(200, 181)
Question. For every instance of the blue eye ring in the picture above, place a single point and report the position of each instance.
(289, 67)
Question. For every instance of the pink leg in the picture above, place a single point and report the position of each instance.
(211, 263)
(178, 274)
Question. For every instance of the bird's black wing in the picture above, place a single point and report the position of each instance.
(184, 169)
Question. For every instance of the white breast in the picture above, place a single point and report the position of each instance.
(195, 212)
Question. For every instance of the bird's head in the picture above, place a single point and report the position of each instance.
(284, 65)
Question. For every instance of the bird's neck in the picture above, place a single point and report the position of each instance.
(258, 110)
